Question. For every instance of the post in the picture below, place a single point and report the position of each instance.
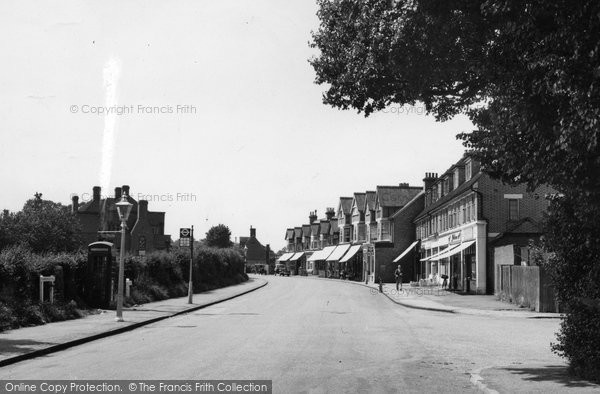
(191, 285)
(121, 274)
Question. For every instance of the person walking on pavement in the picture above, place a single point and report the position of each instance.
(398, 275)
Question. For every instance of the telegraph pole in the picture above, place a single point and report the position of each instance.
(191, 285)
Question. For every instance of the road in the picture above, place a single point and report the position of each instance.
(309, 335)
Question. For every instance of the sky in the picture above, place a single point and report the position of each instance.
(214, 114)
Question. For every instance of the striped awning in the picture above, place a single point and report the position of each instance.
(406, 251)
(285, 257)
(353, 250)
(339, 252)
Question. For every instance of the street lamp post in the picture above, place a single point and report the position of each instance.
(123, 209)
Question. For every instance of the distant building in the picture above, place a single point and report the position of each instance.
(145, 229)
(259, 258)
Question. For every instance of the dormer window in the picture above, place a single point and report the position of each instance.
(456, 178)
(468, 170)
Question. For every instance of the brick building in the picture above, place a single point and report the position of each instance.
(145, 229)
(394, 211)
(466, 214)
(259, 258)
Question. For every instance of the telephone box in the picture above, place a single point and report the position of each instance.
(97, 286)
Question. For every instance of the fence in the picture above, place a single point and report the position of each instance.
(528, 286)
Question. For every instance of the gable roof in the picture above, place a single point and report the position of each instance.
(306, 230)
(359, 200)
(345, 205)
(315, 229)
(255, 251)
(396, 196)
(325, 225)
(289, 234)
(333, 226)
(370, 197)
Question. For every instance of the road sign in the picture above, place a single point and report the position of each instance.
(184, 242)
(184, 232)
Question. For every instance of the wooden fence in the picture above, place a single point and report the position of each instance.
(528, 286)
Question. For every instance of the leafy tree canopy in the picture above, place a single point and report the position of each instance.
(219, 236)
(43, 225)
(527, 73)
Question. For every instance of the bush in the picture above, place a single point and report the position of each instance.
(573, 238)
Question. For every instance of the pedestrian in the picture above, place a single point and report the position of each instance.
(398, 275)
(445, 282)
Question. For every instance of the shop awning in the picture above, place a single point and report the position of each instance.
(285, 257)
(296, 256)
(460, 248)
(339, 252)
(321, 254)
(353, 250)
(406, 251)
(435, 257)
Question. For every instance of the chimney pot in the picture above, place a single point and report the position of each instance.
(252, 232)
(117, 193)
(75, 200)
(96, 193)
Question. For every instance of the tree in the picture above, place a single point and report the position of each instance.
(43, 225)
(527, 73)
(219, 236)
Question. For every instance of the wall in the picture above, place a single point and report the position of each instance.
(529, 287)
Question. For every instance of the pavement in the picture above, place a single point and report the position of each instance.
(437, 299)
(29, 342)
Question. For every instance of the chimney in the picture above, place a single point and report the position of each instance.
(125, 190)
(329, 213)
(117, 193)
(312, 217)
(252, 232)
(429, 180)
(75, 200)
(142, 209)
(96, 193)
(404, 185)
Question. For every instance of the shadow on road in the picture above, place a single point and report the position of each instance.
(550, 373)
(20, 346)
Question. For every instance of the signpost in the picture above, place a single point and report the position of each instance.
(186, 238)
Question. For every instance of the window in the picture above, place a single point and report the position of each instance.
(513, 209)
(468, 170)
(456, 178)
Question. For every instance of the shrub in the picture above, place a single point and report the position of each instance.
(573, 238)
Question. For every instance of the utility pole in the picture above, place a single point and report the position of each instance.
(191, 285)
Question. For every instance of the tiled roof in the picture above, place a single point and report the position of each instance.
(333, 226)
(325, 225)
(360, 201)
(456, 192)
(289, 234)
(346, 204)
(255, 251)
(306, 230)
(396, 196)
(421, 194)
(315, 229)
(370, 200)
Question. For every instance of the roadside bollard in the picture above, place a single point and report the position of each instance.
(380, 285)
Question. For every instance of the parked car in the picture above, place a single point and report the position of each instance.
(281, 269)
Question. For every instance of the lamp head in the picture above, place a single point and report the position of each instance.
(124, 208)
